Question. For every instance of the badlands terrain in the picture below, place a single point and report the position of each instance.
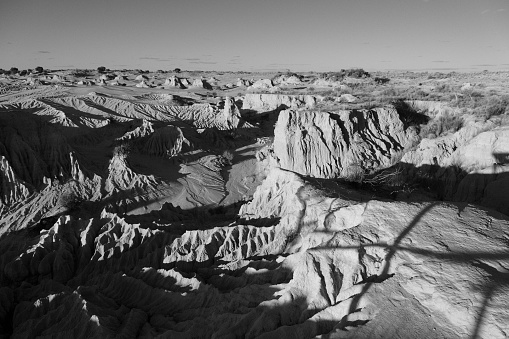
(254, 205)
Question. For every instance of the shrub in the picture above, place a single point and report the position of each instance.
(357, 73)
(408, 115)
(39, 69)
(496, 105)
(389, 177)
(81, 73)
(23, 72)
(444, 124)
(338, 76)
(355, 173)
(381, 81)
(101, 69)
(14, 70)
(71, 201)
(122, 150)
(227, 157)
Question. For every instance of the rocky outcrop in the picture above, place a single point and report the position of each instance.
(243, 82)
(12, 189)
(168, 142)
(143, 84)
(122, 177)
(488, 149)
(261, 84)
(173, 82)
(472, 168)
(201, 83)
(287, 80)
(261, 103)
(146, 128)
(330, 145)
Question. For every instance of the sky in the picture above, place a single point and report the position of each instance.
(256, 35)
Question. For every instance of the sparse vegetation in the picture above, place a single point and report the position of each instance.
(381, 81)
(339, 76)
(408, 115)
(447, 123)
(70, 201)
(81, 73)
(227, 158)
(484, 105)
(122, 150)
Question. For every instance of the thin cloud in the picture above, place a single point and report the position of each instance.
(43, 52)
(485, 11)
(441, 61)
(501, 10)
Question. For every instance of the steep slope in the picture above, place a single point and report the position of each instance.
(337, 144)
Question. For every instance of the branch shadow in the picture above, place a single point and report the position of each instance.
(496, 280)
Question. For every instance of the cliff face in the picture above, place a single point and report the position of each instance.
(330, 145)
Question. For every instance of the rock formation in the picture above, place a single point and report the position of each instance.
(261, 84)
(171, 214)
(262, 103)
(338, 144)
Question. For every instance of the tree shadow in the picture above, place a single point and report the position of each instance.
(496, 280)
(425, 183)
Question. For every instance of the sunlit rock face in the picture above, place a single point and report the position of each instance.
(330, 145)
(261, 103)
